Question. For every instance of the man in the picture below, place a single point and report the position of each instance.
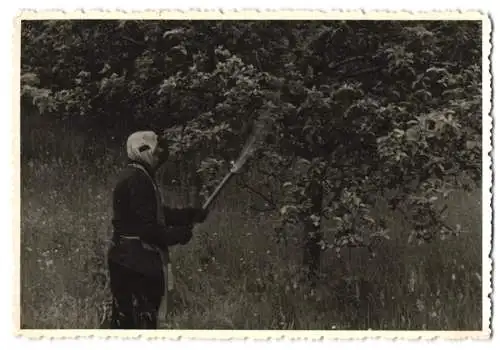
(143, 229)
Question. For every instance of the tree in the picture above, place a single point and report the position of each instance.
(369, 108)
(359, 109)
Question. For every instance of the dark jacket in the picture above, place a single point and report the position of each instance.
(135, 214)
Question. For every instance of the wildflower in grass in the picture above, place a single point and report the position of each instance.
(412, 281)
(478, 276)
(438, 303)
(420, 305)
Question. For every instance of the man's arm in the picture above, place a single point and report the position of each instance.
(184, 216)
(143, 204)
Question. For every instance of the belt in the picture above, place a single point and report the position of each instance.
(137, 238)
(130, 237)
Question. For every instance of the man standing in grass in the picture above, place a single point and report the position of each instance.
(143, 230)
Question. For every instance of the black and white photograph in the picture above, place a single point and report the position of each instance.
(277, 174)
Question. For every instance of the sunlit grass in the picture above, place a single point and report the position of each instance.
(233, 275)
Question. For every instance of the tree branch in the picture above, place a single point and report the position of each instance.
(362, 72)
(269, 174)
(346, 61)
(259, 65)
(436, 220)
(267, 199)
(130, 40)
(261, 210)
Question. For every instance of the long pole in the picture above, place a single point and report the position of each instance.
(216, 192)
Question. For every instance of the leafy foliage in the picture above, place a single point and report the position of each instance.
(358, 109)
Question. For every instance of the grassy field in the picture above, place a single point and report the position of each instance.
(233, 275)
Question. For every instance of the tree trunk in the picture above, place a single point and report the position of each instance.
(312, 232)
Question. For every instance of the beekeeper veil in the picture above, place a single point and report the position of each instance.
(141, 147)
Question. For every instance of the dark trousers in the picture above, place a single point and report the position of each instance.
(136, 298)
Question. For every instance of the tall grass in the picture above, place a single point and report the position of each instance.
(233, 275)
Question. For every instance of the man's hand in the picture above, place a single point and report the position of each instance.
(187, 235)
(184, 216)
(200, 215)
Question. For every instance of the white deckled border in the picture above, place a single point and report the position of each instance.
(252, 14)
(269, 14)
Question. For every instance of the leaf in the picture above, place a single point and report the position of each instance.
(172, 32)
(287, 208)
(30, 79)
(437, 70)
(315, 220)
(179, 48)
(398, 132)
(369, 219)
(105, 68)
(413, 134)
(472, 144)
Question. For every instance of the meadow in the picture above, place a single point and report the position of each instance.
(233, 274)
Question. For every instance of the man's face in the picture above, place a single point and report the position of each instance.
(161, 154)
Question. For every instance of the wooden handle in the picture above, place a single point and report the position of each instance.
(217, 190)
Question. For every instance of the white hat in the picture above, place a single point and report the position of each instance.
(141, 145)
